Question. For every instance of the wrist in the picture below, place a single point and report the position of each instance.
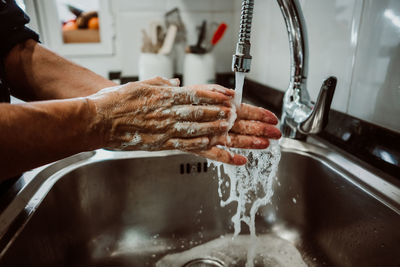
(98, 129)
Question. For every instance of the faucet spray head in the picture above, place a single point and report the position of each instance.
(242, 59)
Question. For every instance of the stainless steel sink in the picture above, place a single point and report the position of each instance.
(131, 209)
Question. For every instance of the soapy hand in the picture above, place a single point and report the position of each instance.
(252, 129)
(157, 114)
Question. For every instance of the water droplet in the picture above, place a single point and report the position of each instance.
(294, 200)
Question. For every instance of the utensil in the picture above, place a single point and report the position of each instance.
(156, 33)
(74, 10)
(211, 28)
(198, 49)
(169, 40)
(219, 33)
(147, 45)
(173, 17)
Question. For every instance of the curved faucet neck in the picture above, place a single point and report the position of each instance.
(298, 47)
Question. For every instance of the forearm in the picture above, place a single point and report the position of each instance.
(36, 73)
(38, 133)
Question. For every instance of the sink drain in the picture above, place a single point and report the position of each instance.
(204, 263)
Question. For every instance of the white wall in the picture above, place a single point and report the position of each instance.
(358, 41)
(130, 16)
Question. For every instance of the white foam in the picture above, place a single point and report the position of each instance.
(194, 99)
(187, 127)
(136, 140)
(251, 186)
(183, 112)
(269, 250)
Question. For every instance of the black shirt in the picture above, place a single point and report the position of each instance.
(12, 32)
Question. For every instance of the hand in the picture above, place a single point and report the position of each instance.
(156, 114)
(252, 129)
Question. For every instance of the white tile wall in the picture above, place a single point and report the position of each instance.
(331, 45)
(141, 5)
(375, 94)
(270, 48)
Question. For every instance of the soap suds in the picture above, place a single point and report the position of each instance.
(183, 112)
(187, 127)
(135, 140)
(269, 250)
(184, 91)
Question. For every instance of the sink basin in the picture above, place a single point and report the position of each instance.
(132, 209)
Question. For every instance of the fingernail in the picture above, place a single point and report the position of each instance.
(239, 160)
(174, 82)
(271, 116)
(277, 134)
(273, 133)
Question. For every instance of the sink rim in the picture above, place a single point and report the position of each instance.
(37, 183)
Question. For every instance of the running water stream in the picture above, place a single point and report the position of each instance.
(239, 81)
(251, 185)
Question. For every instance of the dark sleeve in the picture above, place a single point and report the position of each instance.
(12, 26)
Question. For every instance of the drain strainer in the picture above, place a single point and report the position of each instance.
(203, 262)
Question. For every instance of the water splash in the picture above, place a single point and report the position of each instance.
(251, 186)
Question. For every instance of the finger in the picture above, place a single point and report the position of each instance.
(221, 155)
(198, 143)
(192, 113)
(240, 141)
(213, 88)
(186, 95)
(193, 129)
(250, 112)
(161, 81)
(256, 128)
(142, 141)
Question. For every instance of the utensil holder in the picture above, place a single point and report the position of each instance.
(151, 65)
(198, 69)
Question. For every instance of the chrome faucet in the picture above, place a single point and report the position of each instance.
(299, 116)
